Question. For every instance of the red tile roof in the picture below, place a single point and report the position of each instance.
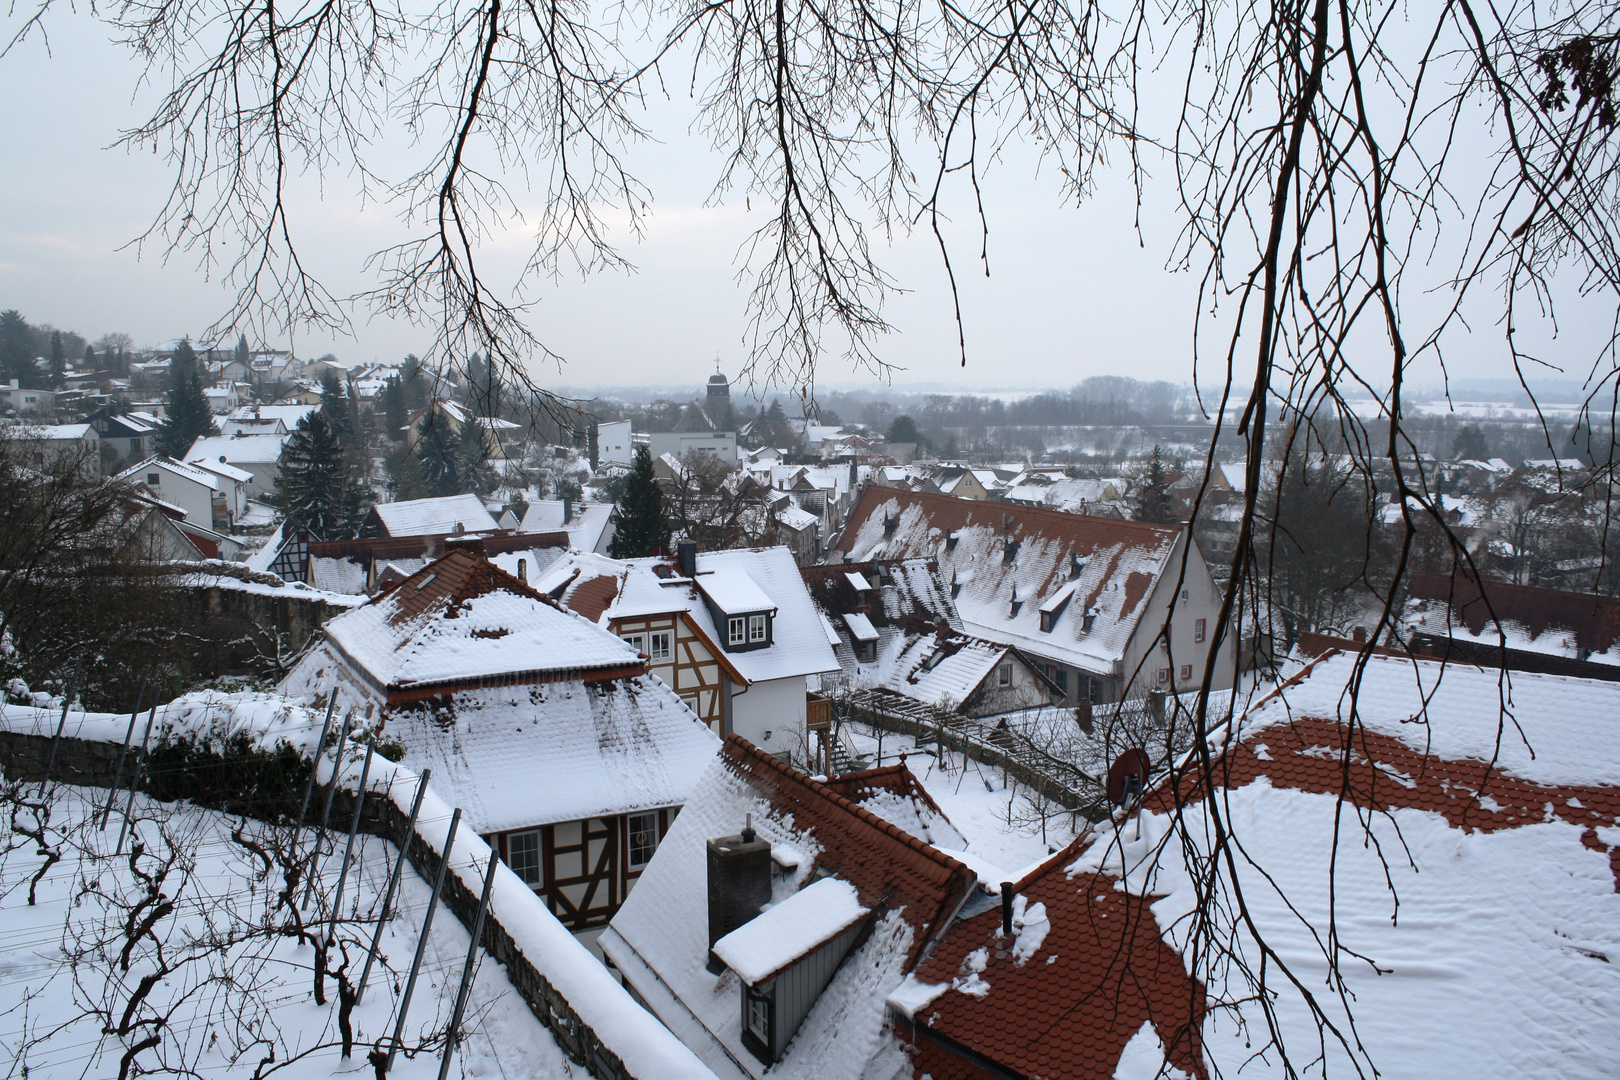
(950, 514)
(1067, 1017)
(1595, 620)
(889, 868)
(895, 779)
(1110, 969)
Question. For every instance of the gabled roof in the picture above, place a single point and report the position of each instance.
(1517, 827)
(462, 622)
(254, 449)
(287, 414)
(177, 468)
(1005, 561)
(659, 938)
(427, 517)
(799, 641)
(585, 527)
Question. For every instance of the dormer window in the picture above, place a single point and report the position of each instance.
(737, 631)
(758, 628)
(739, 606)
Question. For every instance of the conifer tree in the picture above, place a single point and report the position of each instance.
(437, 449)
(1154, 503)
(58, 370)
(474, 471)
(90, 357)
(336, 407)
(642, 527)
(243, 355)
(394, 412)
(16, 347)
(316, 486)
(188, 416)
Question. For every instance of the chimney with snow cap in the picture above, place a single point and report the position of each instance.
(686, 558)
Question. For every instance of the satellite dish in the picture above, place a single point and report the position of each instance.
(1127, 777)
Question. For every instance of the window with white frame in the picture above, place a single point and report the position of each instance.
(1198, 629)
(759, 1017)
(643, 838)
(737, 631)
(1186, 672)
(1004, 675)
(661, 644)
(523, 856)
(637, 642)
(1164, 675)
(756, 628)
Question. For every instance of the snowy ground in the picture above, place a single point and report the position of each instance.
(239, 991)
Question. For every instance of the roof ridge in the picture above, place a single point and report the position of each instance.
(736, 746)
(1040, 511)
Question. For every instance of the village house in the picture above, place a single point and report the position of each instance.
(500, 436)
(734, 633)
(1086, 971)
(545, 729)
(29, 401)
(1111, 609)
(430, 517)
(211, 498)
(64, 445)
(123, 437)
(899, 640)
(590, 526)
(265, 419)
(780, 911)
(254, 454)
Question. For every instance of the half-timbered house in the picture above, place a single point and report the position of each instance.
(733, 633)
(548, 731)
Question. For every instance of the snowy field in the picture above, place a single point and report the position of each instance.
(196, 919)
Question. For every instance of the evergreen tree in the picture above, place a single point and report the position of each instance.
(474, 471)
(1153, 502)
(316, 487)
(58, 368)
(1470, 444)
(414, 382)
(394, 413)
(336, 407)
(593, 441)
(358, 423)
(90, 357)
(16, 348)
(183, 363)
(244, 355)
(774, 414)
(437, 451)
(643, 527)
(188, 417)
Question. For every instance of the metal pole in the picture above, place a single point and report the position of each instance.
(393, 883)
(67, 702)
(315, 761)
(135, 779)
(452, 1035)
(348, 849)
(118, 773)
(326, 813)
(421, 942)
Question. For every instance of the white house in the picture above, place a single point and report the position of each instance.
(255, 455)
(734, 633)
(613, 445)
(1113, 609)
(206, 496)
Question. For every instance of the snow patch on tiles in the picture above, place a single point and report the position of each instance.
(1143, 1058)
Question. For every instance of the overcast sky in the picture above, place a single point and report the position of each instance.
(1072, 293)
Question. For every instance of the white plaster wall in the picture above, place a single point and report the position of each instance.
(776, 706)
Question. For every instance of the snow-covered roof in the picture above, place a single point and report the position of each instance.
(1472, 850)
(789, 931)
(790, 515)
(259, 449)
(220, 468)
(860, 626)
(857, 581)
(177, 468)
(431, 517)
(733, 591)
(659, 941)
(460, 620)
(57, 432)
(996, 555)
(585, 527)
(287, 414)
